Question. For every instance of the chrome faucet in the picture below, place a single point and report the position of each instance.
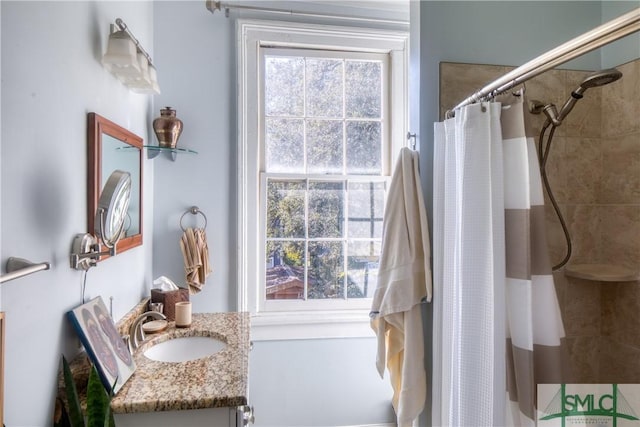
(136, 333)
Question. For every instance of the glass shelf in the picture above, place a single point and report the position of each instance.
(155, 150)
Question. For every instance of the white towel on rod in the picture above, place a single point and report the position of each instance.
(404, 281)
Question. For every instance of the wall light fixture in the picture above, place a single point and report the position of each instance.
(129, 62)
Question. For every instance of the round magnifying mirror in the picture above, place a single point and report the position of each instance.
(112, 208)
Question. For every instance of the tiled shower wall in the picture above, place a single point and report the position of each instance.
(594, 172)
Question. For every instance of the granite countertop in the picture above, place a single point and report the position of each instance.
(219, 380)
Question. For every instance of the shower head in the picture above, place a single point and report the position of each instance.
(599, 78)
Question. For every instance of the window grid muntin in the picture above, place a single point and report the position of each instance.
(384, 167)
(382, 59)
(344, 240)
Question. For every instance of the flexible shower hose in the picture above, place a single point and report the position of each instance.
(543, 155)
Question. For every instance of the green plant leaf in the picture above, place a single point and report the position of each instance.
(97, 400)
(75, 411)
(109, 421)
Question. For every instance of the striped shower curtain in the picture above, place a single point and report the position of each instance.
(497, 324)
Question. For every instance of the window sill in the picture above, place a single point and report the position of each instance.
(281, 326)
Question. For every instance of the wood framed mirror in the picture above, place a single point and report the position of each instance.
(112, 147)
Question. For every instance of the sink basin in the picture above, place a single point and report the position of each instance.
(184, 349)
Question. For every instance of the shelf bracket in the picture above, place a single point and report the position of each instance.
(20, 267)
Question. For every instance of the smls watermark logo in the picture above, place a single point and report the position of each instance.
(588, 405)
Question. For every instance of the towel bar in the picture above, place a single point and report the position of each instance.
(19, 267)
(194, 210)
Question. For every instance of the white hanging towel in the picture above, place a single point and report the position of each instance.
(404, 281)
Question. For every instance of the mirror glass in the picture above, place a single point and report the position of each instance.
(112, 147)
(113, 208)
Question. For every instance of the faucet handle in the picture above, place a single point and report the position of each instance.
(136, 333)
(127, 341)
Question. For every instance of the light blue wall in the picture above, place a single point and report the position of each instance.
(51, 78)
(196, 71)
(505, 33)
(295, 383)
(318, 383)
(623, 50)
(491, 32)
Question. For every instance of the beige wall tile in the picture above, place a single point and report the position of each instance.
(619, 314)
(583, 169)
(620, 235)
(584, 356)
(608, 309)
(622, 144)
(621, 102)
(620, 178)
(458, 81)
(584, 227)
(618, 362)
(581, 313)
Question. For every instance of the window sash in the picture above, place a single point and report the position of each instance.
(340, 303)
(385, 129)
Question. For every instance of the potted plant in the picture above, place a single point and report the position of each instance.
(98, 411)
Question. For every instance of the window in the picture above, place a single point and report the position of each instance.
(319, 108)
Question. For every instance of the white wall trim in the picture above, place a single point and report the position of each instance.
(275, 326)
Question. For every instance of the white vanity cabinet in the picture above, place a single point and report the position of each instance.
(210, 391)
(209, 417)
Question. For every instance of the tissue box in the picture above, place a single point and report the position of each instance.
(169, 299)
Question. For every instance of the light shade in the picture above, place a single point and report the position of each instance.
(121, 56)
(129, 62)
(149, 87)
(139, 79)
(153, 75)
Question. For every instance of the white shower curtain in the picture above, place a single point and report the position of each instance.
(497, 325)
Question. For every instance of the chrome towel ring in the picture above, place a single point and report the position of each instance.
(194, 210)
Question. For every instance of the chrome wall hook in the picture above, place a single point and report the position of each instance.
(412, 138)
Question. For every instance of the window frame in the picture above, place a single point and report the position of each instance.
(252, 36)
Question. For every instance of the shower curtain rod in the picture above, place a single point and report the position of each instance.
(213, 5)
(604, 34)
